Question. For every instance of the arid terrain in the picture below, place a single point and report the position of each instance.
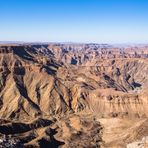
(73, 96)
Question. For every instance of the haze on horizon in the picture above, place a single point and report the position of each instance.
(99, 21)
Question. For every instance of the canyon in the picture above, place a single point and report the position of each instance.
(73, 95)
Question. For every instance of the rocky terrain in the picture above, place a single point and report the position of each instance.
(73, 95)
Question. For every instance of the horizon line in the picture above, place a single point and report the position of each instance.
(72, 42)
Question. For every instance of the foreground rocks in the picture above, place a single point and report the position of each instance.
(143, 143)
(73, 131)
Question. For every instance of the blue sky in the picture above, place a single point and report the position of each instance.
(101, 21)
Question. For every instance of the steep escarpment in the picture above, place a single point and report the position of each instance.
(26, 86)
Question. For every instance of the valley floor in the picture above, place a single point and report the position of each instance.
(119, 133)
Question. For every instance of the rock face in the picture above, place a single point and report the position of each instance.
(61, 81)
(138, 144)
